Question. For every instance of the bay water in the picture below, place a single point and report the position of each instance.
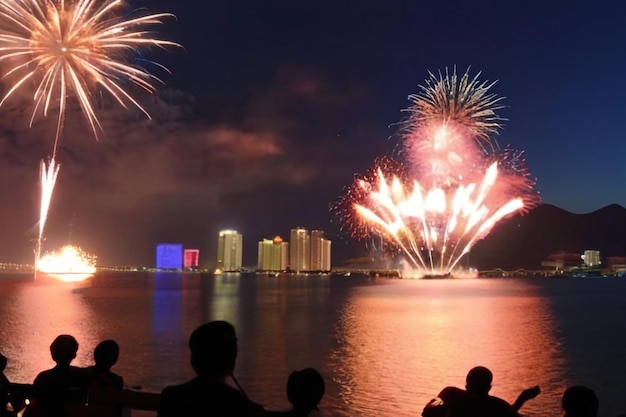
(384, 346)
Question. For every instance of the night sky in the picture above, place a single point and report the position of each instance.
(273, 106)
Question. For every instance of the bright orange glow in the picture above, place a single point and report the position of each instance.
(70, 264)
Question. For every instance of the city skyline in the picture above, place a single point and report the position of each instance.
(265, 119)
(310, 251)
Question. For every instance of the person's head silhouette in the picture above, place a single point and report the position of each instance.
(63, 349)
(478, 381)
(105, 355)
(580, 401)
(213, 349)
(305, 389)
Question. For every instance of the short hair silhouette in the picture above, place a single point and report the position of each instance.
(105, 355)
(63, 349)
(213, 348)
(305, 389)
(478, 380)
(580, 401)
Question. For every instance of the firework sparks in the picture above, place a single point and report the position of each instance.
(453, 184)
(49, 173)
(71, 48)
(465, 101)
(70, 264)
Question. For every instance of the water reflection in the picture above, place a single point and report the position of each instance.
(278, 321)
(399, 347)
(38, 312)
(385, 347)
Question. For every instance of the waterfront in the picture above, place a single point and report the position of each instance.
(384, 346)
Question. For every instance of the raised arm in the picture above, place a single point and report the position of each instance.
(524, 396)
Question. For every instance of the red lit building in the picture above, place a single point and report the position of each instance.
(191, 258)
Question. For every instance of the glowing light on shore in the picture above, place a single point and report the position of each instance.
(69, 264)
(451, 185)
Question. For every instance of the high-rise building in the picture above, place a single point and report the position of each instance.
(169, 256)
(309, 253)
(317, 245)
(591, 258)
(191, 258)
(326, 256)
(273, 255)
(299, 253)
(229, 251)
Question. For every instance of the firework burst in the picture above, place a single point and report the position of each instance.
(71, 48)
(452, 184)
(465, 101)
(70, 263)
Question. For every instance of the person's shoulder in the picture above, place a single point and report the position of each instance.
(499, 401)
(44, 376)
(118, 379)
(80, 371)
(175, 398)
(205, 397)
(503, 407)
(452, 394)
(4, 379)
(180, 389)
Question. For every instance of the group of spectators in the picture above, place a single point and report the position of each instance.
(96, 391)
(475, 401)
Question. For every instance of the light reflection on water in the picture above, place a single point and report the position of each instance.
(385, 347)
(401, 344)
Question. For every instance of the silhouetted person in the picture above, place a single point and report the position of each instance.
(5, 386)
(449, 396)
(476, 401)
(580, 401)
(213, 349)
(59, 391)
(12, 396)
(443, 403)
(104, 381)
(305, 390)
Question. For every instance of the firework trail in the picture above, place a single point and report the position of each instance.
(451, 184)
(49, 173)
(68, 49)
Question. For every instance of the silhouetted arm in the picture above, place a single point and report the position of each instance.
(527, 394)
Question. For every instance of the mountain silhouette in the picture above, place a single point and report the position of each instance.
(523, 241)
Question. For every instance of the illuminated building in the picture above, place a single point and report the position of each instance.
(229, 251)
(320, 252)
(169, 256)
(299, 253)
(273, 255)
(325, 255)
(316, 242)
(591, 258)
(309, 253)
(191, 258)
